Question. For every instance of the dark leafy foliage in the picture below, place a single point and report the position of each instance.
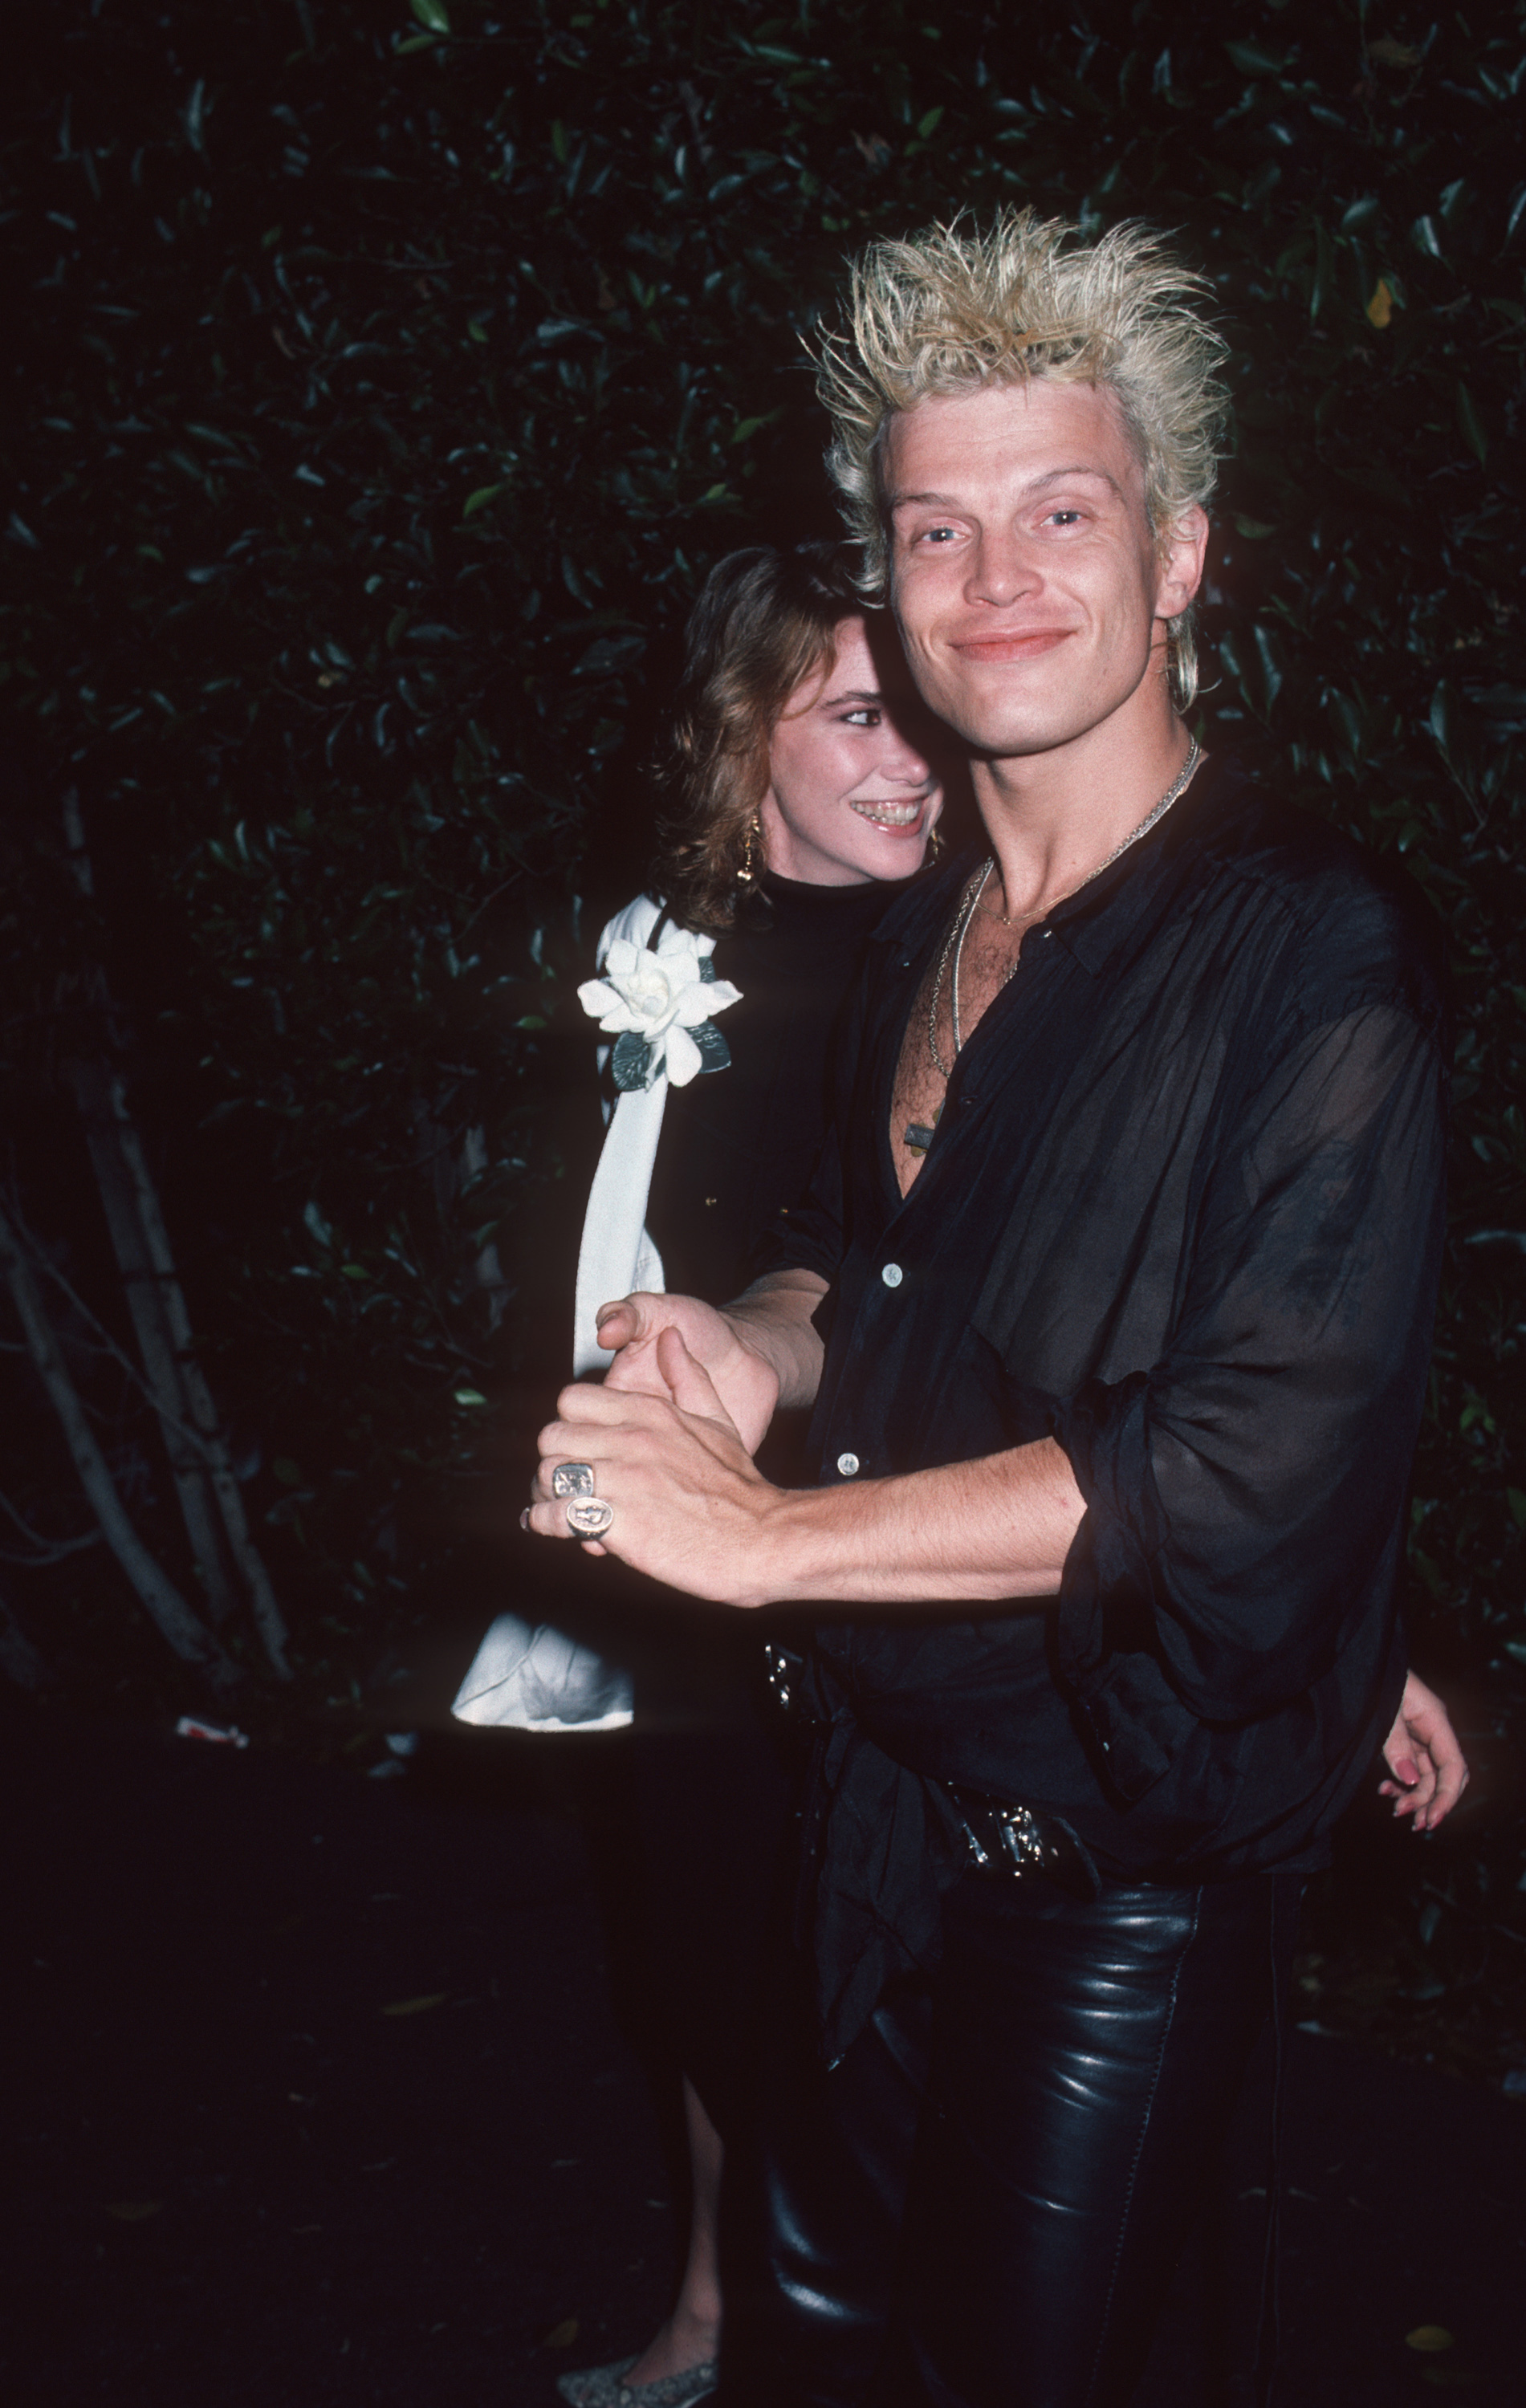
(390, 377)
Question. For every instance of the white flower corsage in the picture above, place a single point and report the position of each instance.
(659, 1008)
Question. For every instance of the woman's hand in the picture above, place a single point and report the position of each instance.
(745, 1381)
(1429, 1770)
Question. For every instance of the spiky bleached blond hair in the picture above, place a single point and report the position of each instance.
(956, 306)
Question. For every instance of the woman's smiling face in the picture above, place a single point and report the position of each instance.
(853, 792)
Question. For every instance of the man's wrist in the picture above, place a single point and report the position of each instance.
(793, 1548)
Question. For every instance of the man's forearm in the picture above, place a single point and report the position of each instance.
(996, 1528)
(690, 1507)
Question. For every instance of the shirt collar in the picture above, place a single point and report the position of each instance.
(1118, 910)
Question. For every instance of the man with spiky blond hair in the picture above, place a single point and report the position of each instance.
(1113, 1297)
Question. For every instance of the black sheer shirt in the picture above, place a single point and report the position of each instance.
(1182, 1211)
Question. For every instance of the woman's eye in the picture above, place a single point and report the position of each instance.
(865, 716)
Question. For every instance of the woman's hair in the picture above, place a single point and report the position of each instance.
(765, 621)
(954, 307)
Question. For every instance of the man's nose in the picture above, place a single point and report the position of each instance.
(1002, 569)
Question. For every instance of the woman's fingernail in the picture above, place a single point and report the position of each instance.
(525, 1519)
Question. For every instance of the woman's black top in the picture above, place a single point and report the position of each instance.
(736, 1152)
(738, 1145)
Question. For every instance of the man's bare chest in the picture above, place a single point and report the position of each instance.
(973, 961)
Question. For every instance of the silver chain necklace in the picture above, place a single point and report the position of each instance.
(975, 888)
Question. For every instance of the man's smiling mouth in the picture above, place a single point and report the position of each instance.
(1019, 645)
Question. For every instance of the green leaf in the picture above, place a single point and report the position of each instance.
(1467, 419)
(479, 501)
(1516, 1499)
(714, 1052)
(1252, 60)
(929, 125)
(469, 1397)
(1439, 717)
(631, 1063)
(433, 14)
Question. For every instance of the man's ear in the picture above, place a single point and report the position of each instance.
(1182, 555)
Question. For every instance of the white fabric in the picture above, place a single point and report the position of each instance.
(617, 1255)
(527, 1677)
(538, 1679)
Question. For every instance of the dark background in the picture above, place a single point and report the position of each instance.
(382, 382)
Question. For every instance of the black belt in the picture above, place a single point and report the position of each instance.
(1014, 1841)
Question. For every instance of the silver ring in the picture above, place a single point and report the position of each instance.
(572, 1480)
(589, 1516)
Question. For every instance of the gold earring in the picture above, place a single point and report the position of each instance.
(935, 844)
(747, 875)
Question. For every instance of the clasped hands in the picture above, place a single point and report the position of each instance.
(669, 1434)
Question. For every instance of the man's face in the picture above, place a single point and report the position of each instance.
(1027, 580)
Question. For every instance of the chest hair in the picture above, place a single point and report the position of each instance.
(986, 962)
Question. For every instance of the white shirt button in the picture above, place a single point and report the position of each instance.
(892, 1275)
(847, 1465)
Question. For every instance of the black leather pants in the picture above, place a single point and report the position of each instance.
(980, 2207)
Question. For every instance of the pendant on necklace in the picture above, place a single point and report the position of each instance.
(918, 1136)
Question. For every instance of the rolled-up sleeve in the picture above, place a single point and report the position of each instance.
(1242, 1493)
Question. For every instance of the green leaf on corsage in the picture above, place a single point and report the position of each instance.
(713, 1046)
(630, 1064)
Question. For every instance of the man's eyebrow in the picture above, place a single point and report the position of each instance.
(1058, 476)
(1036, 485)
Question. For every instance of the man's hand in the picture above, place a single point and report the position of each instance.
(1429, 1770)
(689, 1503)
(745, 1381)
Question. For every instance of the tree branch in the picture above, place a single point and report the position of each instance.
(192, 1641)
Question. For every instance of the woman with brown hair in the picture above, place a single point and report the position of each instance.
(802, 774)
